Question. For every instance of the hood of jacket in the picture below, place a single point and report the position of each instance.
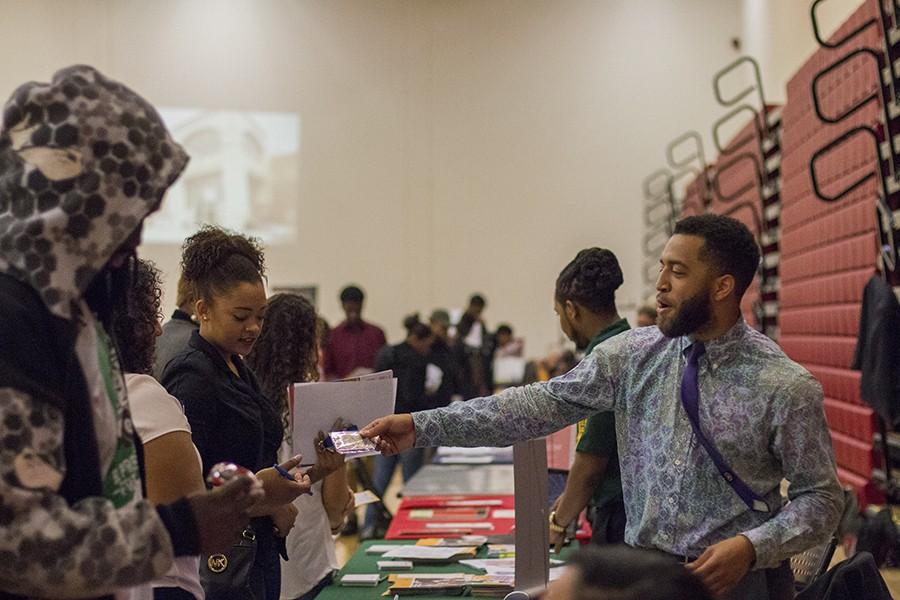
(83, 161)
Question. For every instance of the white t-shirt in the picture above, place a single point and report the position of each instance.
(155, 413)
(310, 545)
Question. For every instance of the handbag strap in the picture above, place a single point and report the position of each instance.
(690, 395)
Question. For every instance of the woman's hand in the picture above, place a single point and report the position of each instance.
(328, 460)
(222, 513)
(284, 518)
(280, 489)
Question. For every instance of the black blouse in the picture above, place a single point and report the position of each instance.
(231, 420)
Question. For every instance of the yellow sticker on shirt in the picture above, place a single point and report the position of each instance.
(579, 430)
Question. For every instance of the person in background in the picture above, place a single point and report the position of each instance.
(505, 344)
(585, 301)
(507, 364)
(470, 328)
(178, 329)
(646, 316)
(286, 353)
(171, 461)
(408, 360)
(72, 205)
(231, 419)
(442, 373)
(473, 348)
(702, 371)
(353, 344)
(622, 573)
(351, 349)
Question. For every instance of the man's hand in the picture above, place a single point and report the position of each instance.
(557, 540)
(392, 434)
(284, 518)
(222, 513)
(724, 564)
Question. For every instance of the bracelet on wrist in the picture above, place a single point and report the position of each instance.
(554, 526)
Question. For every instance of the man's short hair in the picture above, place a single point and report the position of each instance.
(477, 300)
(625, 573)
(352, 293)
(727, 244)
(591, 280)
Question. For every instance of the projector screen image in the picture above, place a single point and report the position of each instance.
(243, 175)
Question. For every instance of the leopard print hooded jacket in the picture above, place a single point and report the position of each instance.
(83, 161)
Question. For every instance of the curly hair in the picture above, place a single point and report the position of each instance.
(286, 350)
(727, 244)
(323, 332)
(591, 280)
(135, 322)
(215, 260)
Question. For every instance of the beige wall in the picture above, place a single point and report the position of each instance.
(447, 146)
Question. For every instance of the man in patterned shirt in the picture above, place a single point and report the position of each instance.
(760, 410)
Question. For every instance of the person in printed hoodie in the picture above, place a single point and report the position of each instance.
(83, 161)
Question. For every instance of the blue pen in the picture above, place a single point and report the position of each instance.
(284, 472)
(287, 475)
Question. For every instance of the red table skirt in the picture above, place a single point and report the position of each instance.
(404, 527)
(451, 509)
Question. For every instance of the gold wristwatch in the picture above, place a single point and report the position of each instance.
(554, 526)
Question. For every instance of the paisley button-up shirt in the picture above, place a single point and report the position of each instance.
(762, 411)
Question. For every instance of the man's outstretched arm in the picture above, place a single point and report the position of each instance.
(516, 414)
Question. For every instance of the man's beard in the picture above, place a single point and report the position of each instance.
(694, 313)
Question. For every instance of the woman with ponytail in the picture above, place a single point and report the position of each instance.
(286, 353)
(231, 418)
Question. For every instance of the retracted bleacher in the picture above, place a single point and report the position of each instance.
(836, 169)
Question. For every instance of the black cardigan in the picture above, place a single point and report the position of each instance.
(231, 420)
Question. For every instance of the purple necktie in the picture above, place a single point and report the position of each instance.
(690, 387)
(690, 399)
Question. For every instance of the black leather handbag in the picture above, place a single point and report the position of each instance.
(228, 575)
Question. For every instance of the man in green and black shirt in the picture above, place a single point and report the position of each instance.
(586, 305)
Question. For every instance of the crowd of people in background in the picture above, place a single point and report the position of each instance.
(226, 343)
